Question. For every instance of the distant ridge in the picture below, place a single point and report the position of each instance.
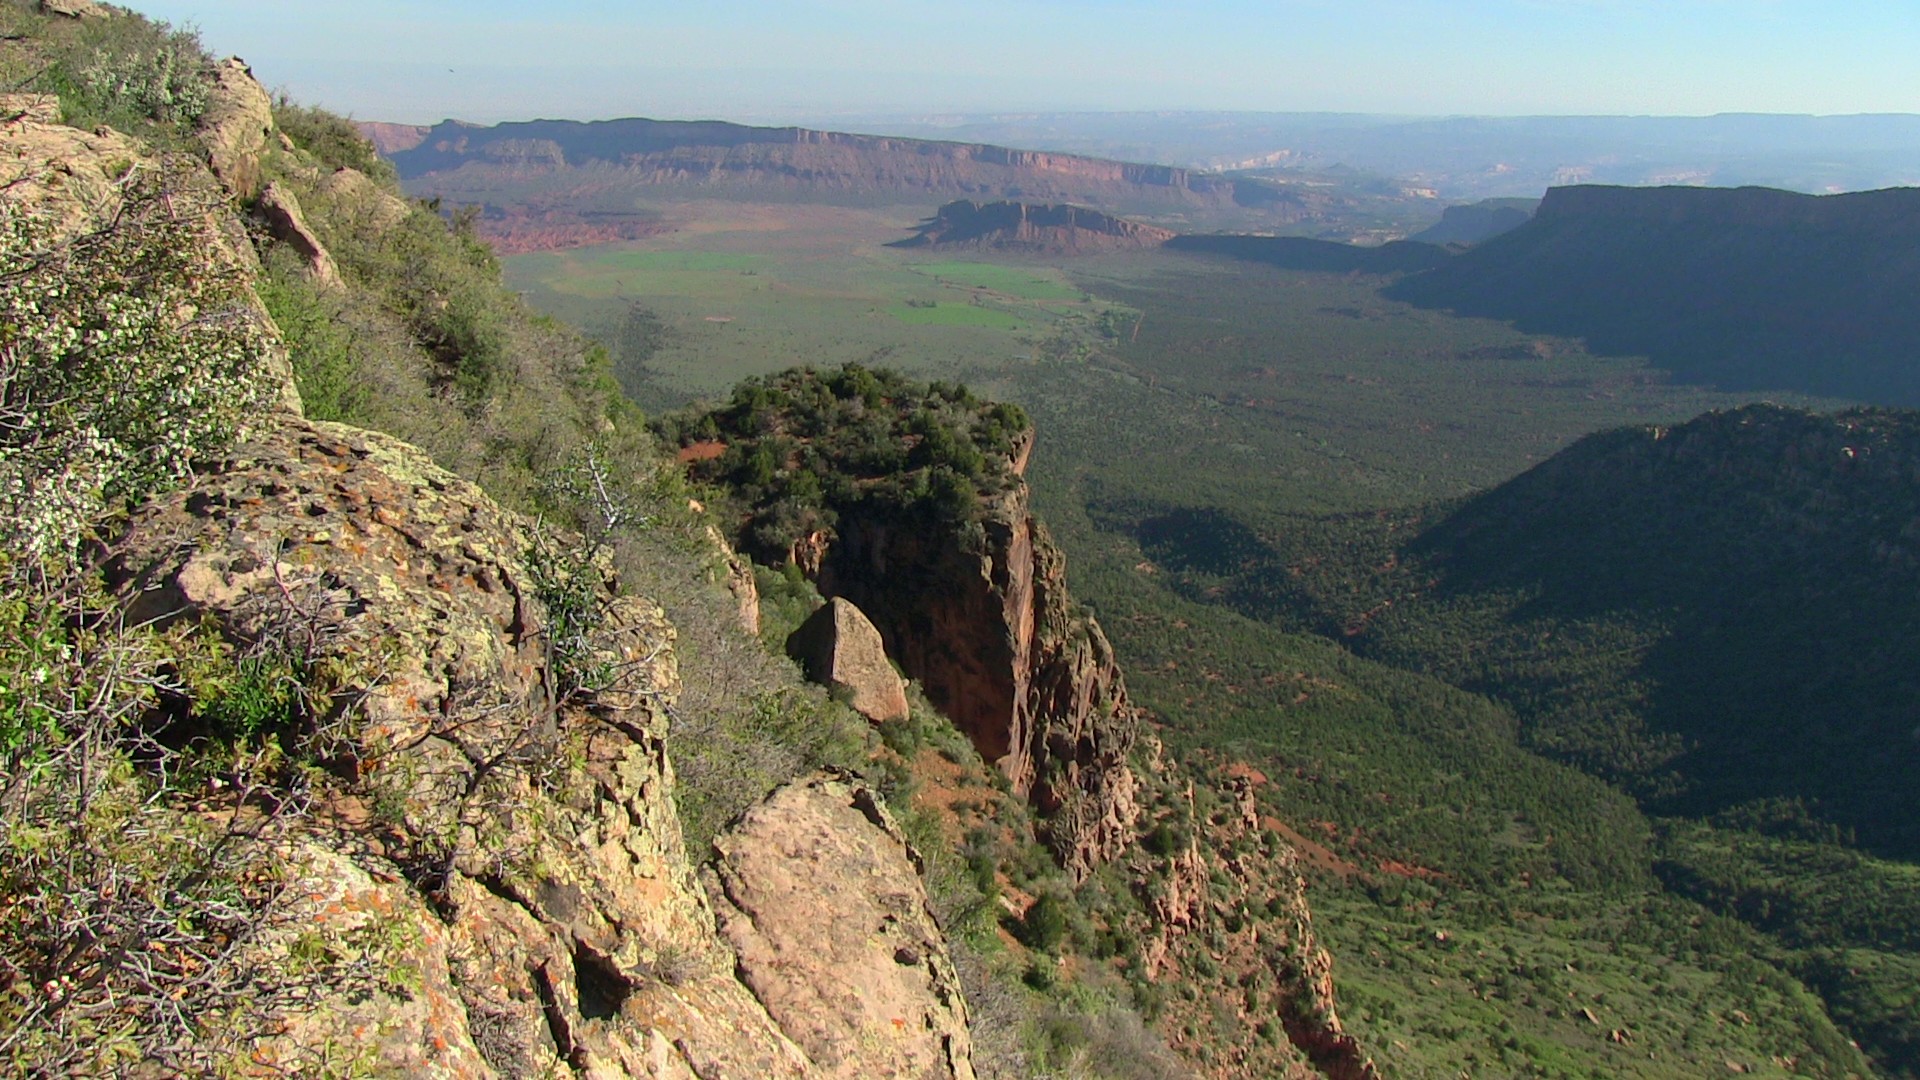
(1039, 228)
(736, 158)
(1476, 223)
(391, 139)
(1744, 288)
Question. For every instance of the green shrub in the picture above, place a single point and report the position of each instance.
(123, 354)
(329, 137)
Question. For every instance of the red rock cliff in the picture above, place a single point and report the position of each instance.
(982, 618)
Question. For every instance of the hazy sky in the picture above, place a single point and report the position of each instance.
(488, 60)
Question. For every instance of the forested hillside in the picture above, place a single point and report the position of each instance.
(1719, 617)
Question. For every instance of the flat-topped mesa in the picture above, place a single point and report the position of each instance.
(1019, 226)
(1888, 212)
(736, 158)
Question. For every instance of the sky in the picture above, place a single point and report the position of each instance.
(420, 61)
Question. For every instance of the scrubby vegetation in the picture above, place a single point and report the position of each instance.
(138, 76)
(804, 447)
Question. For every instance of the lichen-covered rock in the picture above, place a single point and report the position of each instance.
(70, 177)
(818, 892)
(839, 648)
(38, 108)
(560, 928)
(356, 201)
(401, 1013)
(236, 128)
(75, 9)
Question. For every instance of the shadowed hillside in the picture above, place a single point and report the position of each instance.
(1476, 223)
(1747, 288)
(1687, 611)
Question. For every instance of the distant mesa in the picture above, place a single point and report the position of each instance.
(1747, 289)
(736, 160)
(1476, 223)
(1053, 229)
(392, 139)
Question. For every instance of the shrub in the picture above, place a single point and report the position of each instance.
(122, 358)
(329, 137)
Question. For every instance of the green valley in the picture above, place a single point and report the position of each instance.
(1492, 910)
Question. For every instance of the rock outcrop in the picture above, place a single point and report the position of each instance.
(530, 917)
(1230, 912)
(988, 629)
(838, 647)
(281, 211)
(236, 128)
(818, 893)
(37, 108)
(1032, 228)
(495, 883)
(559, 927)
(75, 9)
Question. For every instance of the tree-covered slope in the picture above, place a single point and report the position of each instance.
(1720, 617)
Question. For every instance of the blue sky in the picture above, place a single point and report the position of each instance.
(488, 60)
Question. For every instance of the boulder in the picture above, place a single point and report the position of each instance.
(281, 211)
(819, 894)
(838, 647)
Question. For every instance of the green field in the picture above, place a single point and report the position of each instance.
(796, 285)
(946, 314)
(1012, 281)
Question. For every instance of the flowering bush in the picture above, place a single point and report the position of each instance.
(124, 351)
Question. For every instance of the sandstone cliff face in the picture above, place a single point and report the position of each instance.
(733, 158)
(985, 623)
(1230, 913)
